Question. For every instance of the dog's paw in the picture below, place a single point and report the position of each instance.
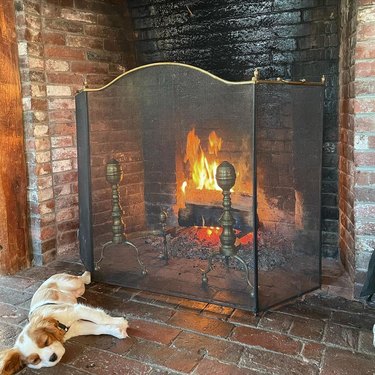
(86, 277)
(121, 330)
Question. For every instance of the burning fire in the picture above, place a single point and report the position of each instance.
(183, 186)
(202, 170)
(212, 235)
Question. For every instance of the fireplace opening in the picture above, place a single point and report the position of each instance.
(197, 187)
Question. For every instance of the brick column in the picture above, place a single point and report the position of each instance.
(62, 44)
(40, 194)
(357, 138)
(364, 139)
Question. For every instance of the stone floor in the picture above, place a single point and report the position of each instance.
(323, 333)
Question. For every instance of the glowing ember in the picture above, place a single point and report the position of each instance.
(202, 170)
(212, 235)
(246, 239)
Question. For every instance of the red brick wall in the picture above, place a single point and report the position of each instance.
(364, 139)
(62, 44)
(357, 135)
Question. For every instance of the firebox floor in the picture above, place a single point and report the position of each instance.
(182, 277)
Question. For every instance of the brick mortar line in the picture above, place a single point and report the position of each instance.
(361, 114)
(364, 60)
(370, 113)
(229, 17)
(364, 237)
(366, 150)
(183, 10)
(364, 96)
(322, 358)
(365, 169)
(367, 220)
(304, 359)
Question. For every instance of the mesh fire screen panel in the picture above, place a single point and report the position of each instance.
(193, 186)
(288, 154)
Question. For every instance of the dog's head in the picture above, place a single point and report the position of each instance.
(40, 344)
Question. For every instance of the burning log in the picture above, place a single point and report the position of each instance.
(199, 215)
(214, 198)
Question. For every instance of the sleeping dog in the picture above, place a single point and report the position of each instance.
(54, 317)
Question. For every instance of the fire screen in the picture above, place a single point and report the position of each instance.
(197, 187)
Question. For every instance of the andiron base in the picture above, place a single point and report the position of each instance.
(124, 243)
(226, 259)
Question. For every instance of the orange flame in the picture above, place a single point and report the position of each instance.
(202, 170)
(214, 143)
(183, 186)
(212, 235)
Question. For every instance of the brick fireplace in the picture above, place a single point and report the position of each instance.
(66, 44)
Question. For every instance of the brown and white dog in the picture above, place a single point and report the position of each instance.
(55, 316)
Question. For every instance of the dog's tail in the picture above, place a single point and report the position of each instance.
(86, 277)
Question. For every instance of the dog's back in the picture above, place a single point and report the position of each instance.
(61, 288)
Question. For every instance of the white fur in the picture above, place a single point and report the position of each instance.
(57, 298)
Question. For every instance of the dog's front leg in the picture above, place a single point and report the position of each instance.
(95, 315)
(83, 327)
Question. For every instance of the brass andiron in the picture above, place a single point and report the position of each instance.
(114, 176)
(163, 222)
(226, 178)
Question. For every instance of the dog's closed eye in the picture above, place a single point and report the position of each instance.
(44, 338)
(47, 341)
(46, 331)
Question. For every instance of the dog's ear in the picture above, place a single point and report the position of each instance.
(54, 329)
(45, 330)
(11, 362)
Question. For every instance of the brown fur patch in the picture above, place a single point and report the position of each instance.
(52, 294)
(45, 331)
(33, 359)
(10, 362)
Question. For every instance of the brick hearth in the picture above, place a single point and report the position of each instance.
(322, 334)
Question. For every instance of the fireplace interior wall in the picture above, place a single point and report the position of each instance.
(291, 40)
